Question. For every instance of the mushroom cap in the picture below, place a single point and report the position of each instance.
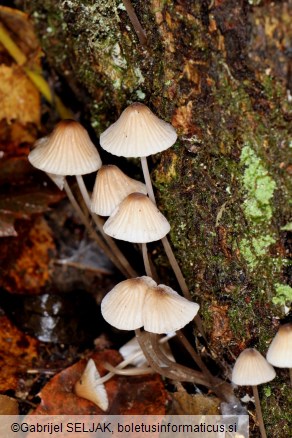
(138, 133)
(88, 387)
(251, 368)
(165, 310)
(137, 220)
(110, 188)
(68, 150)
(122, 306)
(280, 351)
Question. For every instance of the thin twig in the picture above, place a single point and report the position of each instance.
(135, 22)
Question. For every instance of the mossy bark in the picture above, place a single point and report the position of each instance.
(221, 72)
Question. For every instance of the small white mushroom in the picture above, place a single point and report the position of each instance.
(111, 187)
(280, 351)
(68, 150)
(252, 369)
(89, 387)
(137, 220)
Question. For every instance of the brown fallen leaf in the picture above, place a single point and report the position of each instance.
(28, 271)
(19, 98)
(20, 25)
(143, 395)
(17, 353)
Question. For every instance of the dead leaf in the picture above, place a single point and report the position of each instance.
(19, 98)
(25, 204)
(21, 27)
(17, 352)
(143, 395)
(29, 271)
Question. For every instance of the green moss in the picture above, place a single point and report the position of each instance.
(283, 294)
(276, 406)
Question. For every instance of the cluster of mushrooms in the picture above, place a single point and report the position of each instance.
(134, 217)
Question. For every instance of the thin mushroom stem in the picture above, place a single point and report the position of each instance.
(92, 233)
(147, 179)
(259, 411)
(129, 371)
(194, 354)
(167, 248)
(164, 240)
(135, 22)
(176, 269)
(127, 269)
(162, 365)
(146, 262)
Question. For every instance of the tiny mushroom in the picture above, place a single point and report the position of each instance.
(89, 387)
(252, 369)
(110, 188)
(140, 302)
(166, 311)
(68, 150)
(137, 220)
(122, 307)
(138, 133)
(280, 351)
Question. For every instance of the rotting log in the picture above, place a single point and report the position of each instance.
(221, 72)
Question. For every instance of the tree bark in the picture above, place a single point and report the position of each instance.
(221, 72)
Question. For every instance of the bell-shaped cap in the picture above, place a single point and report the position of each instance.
(122, 307)
(280, 351)
(88, 387)
(251, 368)
(137, 220)
(68, 150)
(138, 133)
(165, 310)
(110, 188)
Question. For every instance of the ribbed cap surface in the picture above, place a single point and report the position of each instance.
(280, 351)
(110, 188)
(88, 387)
(122, 307)
(166, 311)
(251, 368)
(67, 151)
(137, 220)
(138, 133)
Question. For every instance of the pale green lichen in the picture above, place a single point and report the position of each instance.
(253, 250)
(283, 294)
(287, 227)
(259, 186)
(259, 189)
